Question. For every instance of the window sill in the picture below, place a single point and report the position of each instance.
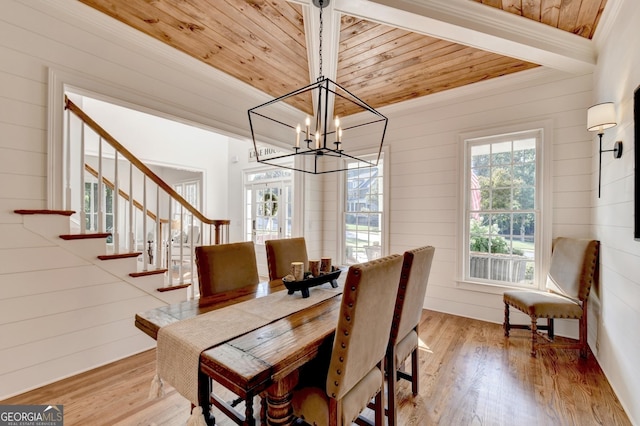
(490, 287)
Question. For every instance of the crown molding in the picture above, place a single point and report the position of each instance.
(473, 24)
(607, 22)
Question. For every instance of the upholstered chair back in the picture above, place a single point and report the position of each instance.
(416, 267)
(280, 254)
(573, 267)
(225, 267)
(364, 323)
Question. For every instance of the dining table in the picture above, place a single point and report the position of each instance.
(264, 360)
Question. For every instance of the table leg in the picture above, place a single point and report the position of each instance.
(204, 395)
(279, 410)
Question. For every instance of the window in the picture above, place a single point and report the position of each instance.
(269, 205)
(363, 212)
(502, 195)
(92, 222)
(190, 191)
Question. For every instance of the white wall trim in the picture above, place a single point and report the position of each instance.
(544, 219)
(607, 22)
(482, 27)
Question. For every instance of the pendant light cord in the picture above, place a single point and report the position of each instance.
(320, 77)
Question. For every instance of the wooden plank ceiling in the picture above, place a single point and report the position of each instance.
(263, 44)
(574, 16)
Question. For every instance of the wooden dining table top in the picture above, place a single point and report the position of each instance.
(253, 361)
(266, 358)
(150, 321)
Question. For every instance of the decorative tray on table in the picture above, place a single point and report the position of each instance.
(305, 284)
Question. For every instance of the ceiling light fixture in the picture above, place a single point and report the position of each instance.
(318, 137)
(601, 117)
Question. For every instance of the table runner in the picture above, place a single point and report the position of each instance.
(180, 344)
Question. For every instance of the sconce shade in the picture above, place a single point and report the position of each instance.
(601, 116)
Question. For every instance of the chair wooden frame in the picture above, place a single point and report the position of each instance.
(280, 254)
(416, 267)
(355, 371)
(239, 261)
(556, 303)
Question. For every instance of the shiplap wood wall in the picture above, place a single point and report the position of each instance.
(60, 314)
(423, 163)
(616, 78)
(425, 172)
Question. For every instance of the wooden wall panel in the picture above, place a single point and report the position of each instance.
(50, 326)
(15, 235)
(39, 258)
(22, 162)
(18, 309)
(53, 370)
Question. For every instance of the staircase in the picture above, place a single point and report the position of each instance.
(145, 219)
(70, 293)
(54, 225)
(67, 307)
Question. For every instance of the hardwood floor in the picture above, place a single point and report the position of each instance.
(470, 374)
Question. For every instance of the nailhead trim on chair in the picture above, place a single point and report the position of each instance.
(343, 345)
(590, 270)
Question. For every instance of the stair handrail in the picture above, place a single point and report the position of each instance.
(217, 223)
(93, 172)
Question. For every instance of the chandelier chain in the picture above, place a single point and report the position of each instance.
(320, 48)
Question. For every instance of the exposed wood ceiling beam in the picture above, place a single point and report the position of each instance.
(330, 39)
(473, 24)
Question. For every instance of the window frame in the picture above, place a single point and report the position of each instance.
(542, 208)
(340, 218)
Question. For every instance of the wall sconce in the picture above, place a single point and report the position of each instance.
(601, 117)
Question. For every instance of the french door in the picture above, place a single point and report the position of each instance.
(269, 207)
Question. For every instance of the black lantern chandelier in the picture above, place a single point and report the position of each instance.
(317, 143)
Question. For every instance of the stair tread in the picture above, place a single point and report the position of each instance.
(146, 273)
(119, 255)
(45, 211)
(85, 236)
(173, 287)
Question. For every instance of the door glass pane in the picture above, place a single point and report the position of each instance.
(269, 209)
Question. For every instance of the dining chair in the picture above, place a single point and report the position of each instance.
(225, 267)
(573, 270)
(403, 339)
(355, 373)
(280, 254)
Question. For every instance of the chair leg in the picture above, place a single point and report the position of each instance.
(415, 372)
(392, 378)
(534, 335)
(263, 410)
(335, 412)
(379, 399)
(248, 411)
(583, 332)
(379, 416)
(550, 328)
(506, 320)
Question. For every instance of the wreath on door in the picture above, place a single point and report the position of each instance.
(270, 204)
